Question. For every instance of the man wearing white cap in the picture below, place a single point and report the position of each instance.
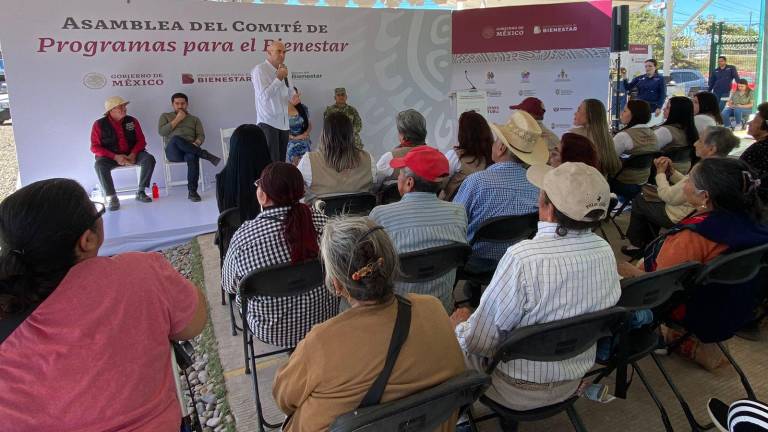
(564, 271)
(117, 140)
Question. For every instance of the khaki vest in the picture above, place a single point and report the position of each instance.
(327, 181)
(398, 152)
(644, 141)
(469, 165)
(679, 140)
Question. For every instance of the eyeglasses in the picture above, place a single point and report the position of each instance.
(257, 183)
(100, 210)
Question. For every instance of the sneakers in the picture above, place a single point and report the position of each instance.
(113, 203)
(718, 412)
(632, 252)
(194, 196)
(142, 197)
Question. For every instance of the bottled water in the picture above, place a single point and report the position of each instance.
(96, 193)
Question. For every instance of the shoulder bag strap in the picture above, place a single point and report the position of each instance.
(399, 335)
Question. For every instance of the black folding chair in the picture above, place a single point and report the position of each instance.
(719, 300)
(424, 411)
(642, 161)
(226, 226)
(349, 204)
(649, 291)
(502, 229)
(429, 264)
(550, 342)
(283, 280)
(389, 194)
(612, 204)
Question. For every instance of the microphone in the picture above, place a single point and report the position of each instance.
(286, 77)
(466, 75)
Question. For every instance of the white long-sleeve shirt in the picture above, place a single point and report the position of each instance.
(272, 96)
(623, 143)
(545, 279)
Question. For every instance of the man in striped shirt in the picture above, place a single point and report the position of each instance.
(564, 271)
(420, 220)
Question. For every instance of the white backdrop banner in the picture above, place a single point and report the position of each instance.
(63, 62)
(558, 53)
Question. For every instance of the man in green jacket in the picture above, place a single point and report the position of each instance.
(183, 137)
(348, 110)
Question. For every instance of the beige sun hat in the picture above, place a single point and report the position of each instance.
(114, 101)
(522, 136)
(574, 188)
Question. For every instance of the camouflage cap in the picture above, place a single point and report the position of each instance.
(340, 91)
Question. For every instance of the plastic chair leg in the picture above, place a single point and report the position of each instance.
(578, 426)
(232, 316)
(695, 425)
(246, 341)
(662, 411)
(255, 381)
(742, 376)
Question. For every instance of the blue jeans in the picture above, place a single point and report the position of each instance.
(737, 113)
(181, 150)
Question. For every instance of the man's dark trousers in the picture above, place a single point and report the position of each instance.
(104, 167)
(277, 141)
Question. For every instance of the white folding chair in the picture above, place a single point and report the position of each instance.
(169, 177)
(225, 135)
(132, 188)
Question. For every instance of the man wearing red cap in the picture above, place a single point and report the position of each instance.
(535, 107)
(420, 220)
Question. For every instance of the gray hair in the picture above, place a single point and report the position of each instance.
(420, 184)
(350, 243)
(412, 125)
(722, 139)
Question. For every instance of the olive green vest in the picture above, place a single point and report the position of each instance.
(644, 141)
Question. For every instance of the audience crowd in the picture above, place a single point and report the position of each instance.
(63, 307)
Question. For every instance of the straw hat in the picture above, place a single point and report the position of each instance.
(522, 136)
(114, 101)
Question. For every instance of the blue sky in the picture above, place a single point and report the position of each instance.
(731, 11)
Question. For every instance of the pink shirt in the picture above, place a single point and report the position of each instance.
(94, 356)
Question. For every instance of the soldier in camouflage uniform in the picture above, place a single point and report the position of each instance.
(350, 111)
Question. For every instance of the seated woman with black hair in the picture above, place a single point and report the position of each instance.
(634, 139)
(286, 231)
(473, 153)
(300, 127)
(84, 339)
(649, 215)
(706, 111)
(728, 218)
(248, 155)
(678, 130)
(337, 363)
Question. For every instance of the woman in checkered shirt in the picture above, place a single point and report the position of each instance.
(286, 231)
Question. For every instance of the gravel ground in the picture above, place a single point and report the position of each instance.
(9, 167)
(205, 375)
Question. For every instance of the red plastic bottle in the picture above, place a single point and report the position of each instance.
(155, 191)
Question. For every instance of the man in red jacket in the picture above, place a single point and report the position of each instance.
(117, 140)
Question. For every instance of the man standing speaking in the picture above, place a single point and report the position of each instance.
(270, 83)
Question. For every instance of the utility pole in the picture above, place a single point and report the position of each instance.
(668, 35)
